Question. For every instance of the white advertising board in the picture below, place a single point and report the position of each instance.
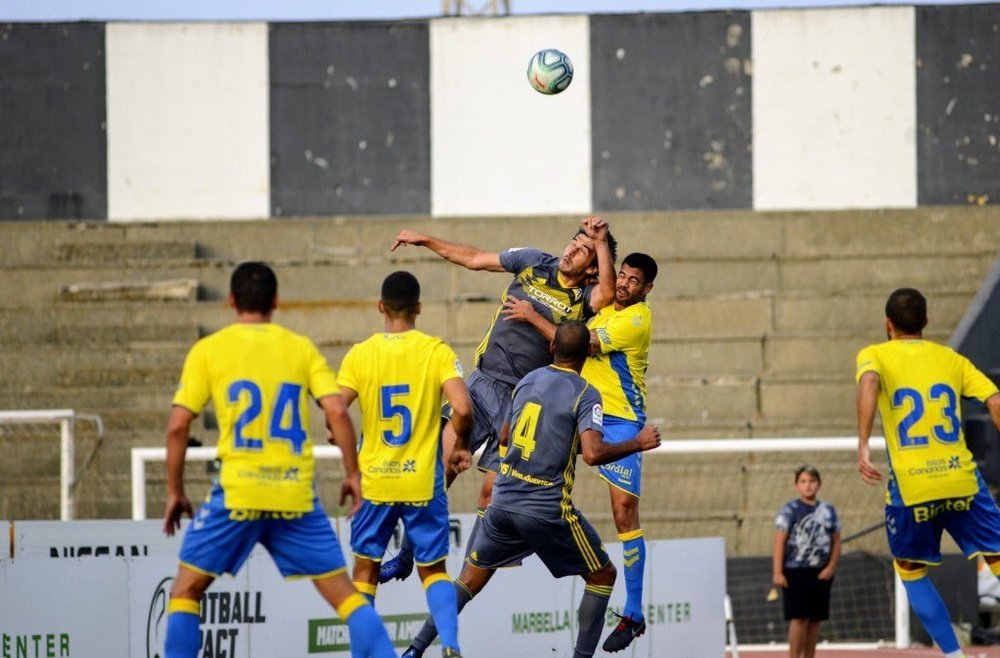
(101, 602)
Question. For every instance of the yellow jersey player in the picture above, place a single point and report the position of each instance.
(934, 483)
(620, 335)
(259, 377)
(398, 376)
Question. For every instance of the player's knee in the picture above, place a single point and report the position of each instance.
(606, 575)
(993, 562)
(909, 571)
(626, 517)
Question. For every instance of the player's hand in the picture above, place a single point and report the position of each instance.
(406, 237)
(460, 460)
(518, 309)
(351, 488)
(826, 573)
(648, 437)
(177, 506)
(779, 580)
(866, 468)
(595, 228)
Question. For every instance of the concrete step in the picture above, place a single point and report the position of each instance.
(813, 398)
(126, 253)
(928, 272)
(861, 313)
(102, 366)
(704, 399)
(793, 354)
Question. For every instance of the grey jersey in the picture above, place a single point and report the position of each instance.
(510, 350)
(551, 408)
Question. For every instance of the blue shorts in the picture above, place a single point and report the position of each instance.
(302, 544)
(426, 526)
(915, 532)
(626, 473)
(491, 400)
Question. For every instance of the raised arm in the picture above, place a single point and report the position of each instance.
(597, 451)
(467, 256)
(604, 292)
(343, 436)
(178, 429)
(867, 401)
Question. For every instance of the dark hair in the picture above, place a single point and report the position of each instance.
(572, 341)
(254, 287)
(811, 470)
(906, 308)
(642, 262)
(612, 244)
(400, 293)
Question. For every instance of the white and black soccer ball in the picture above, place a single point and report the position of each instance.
(550, 71)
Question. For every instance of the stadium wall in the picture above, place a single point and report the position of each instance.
(876, 107)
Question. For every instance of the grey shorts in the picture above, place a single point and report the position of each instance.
(491, 400)
(567, 546)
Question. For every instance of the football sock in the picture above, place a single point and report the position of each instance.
(183, 638)
(475, 530)
(634, 559)
(593, 605)
(367, 590)
(443, 604)
(368, 636)
(428, 631)
(931, 611)
(955, 654)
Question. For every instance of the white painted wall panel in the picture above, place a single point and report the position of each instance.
(497, 146)
(834, 108)
(187, 121)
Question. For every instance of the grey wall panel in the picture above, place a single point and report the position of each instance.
(53, 151)
(350, 118)
(958, 106)
(671, 111)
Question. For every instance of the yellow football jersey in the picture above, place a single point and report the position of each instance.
(618, 372)
(259, 377)
(922, 385)
(398, 380)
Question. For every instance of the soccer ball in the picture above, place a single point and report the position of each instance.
(550, 71)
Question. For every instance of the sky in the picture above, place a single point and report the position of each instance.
(333, 10)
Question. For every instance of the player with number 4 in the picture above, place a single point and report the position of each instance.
(934, 483)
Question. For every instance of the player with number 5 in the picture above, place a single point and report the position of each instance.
(259, 376)
(398, 376)
(934, 483)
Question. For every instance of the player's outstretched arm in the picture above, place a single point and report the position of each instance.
(467, 256)
(604, 292)
(178, 429)
(597, 451)
(867, 401)
(457, 395)
(343, 436)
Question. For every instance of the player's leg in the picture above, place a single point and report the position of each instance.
(184, 613)
(429, 530)
(797, 629)
(593, 608)
(623, 478)
(305, 546)
(928, 605)
(368, 635)
(495, 546)
(217, 541)
(569, 546)
(812, 639)
(470, 582)
(371, 529)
